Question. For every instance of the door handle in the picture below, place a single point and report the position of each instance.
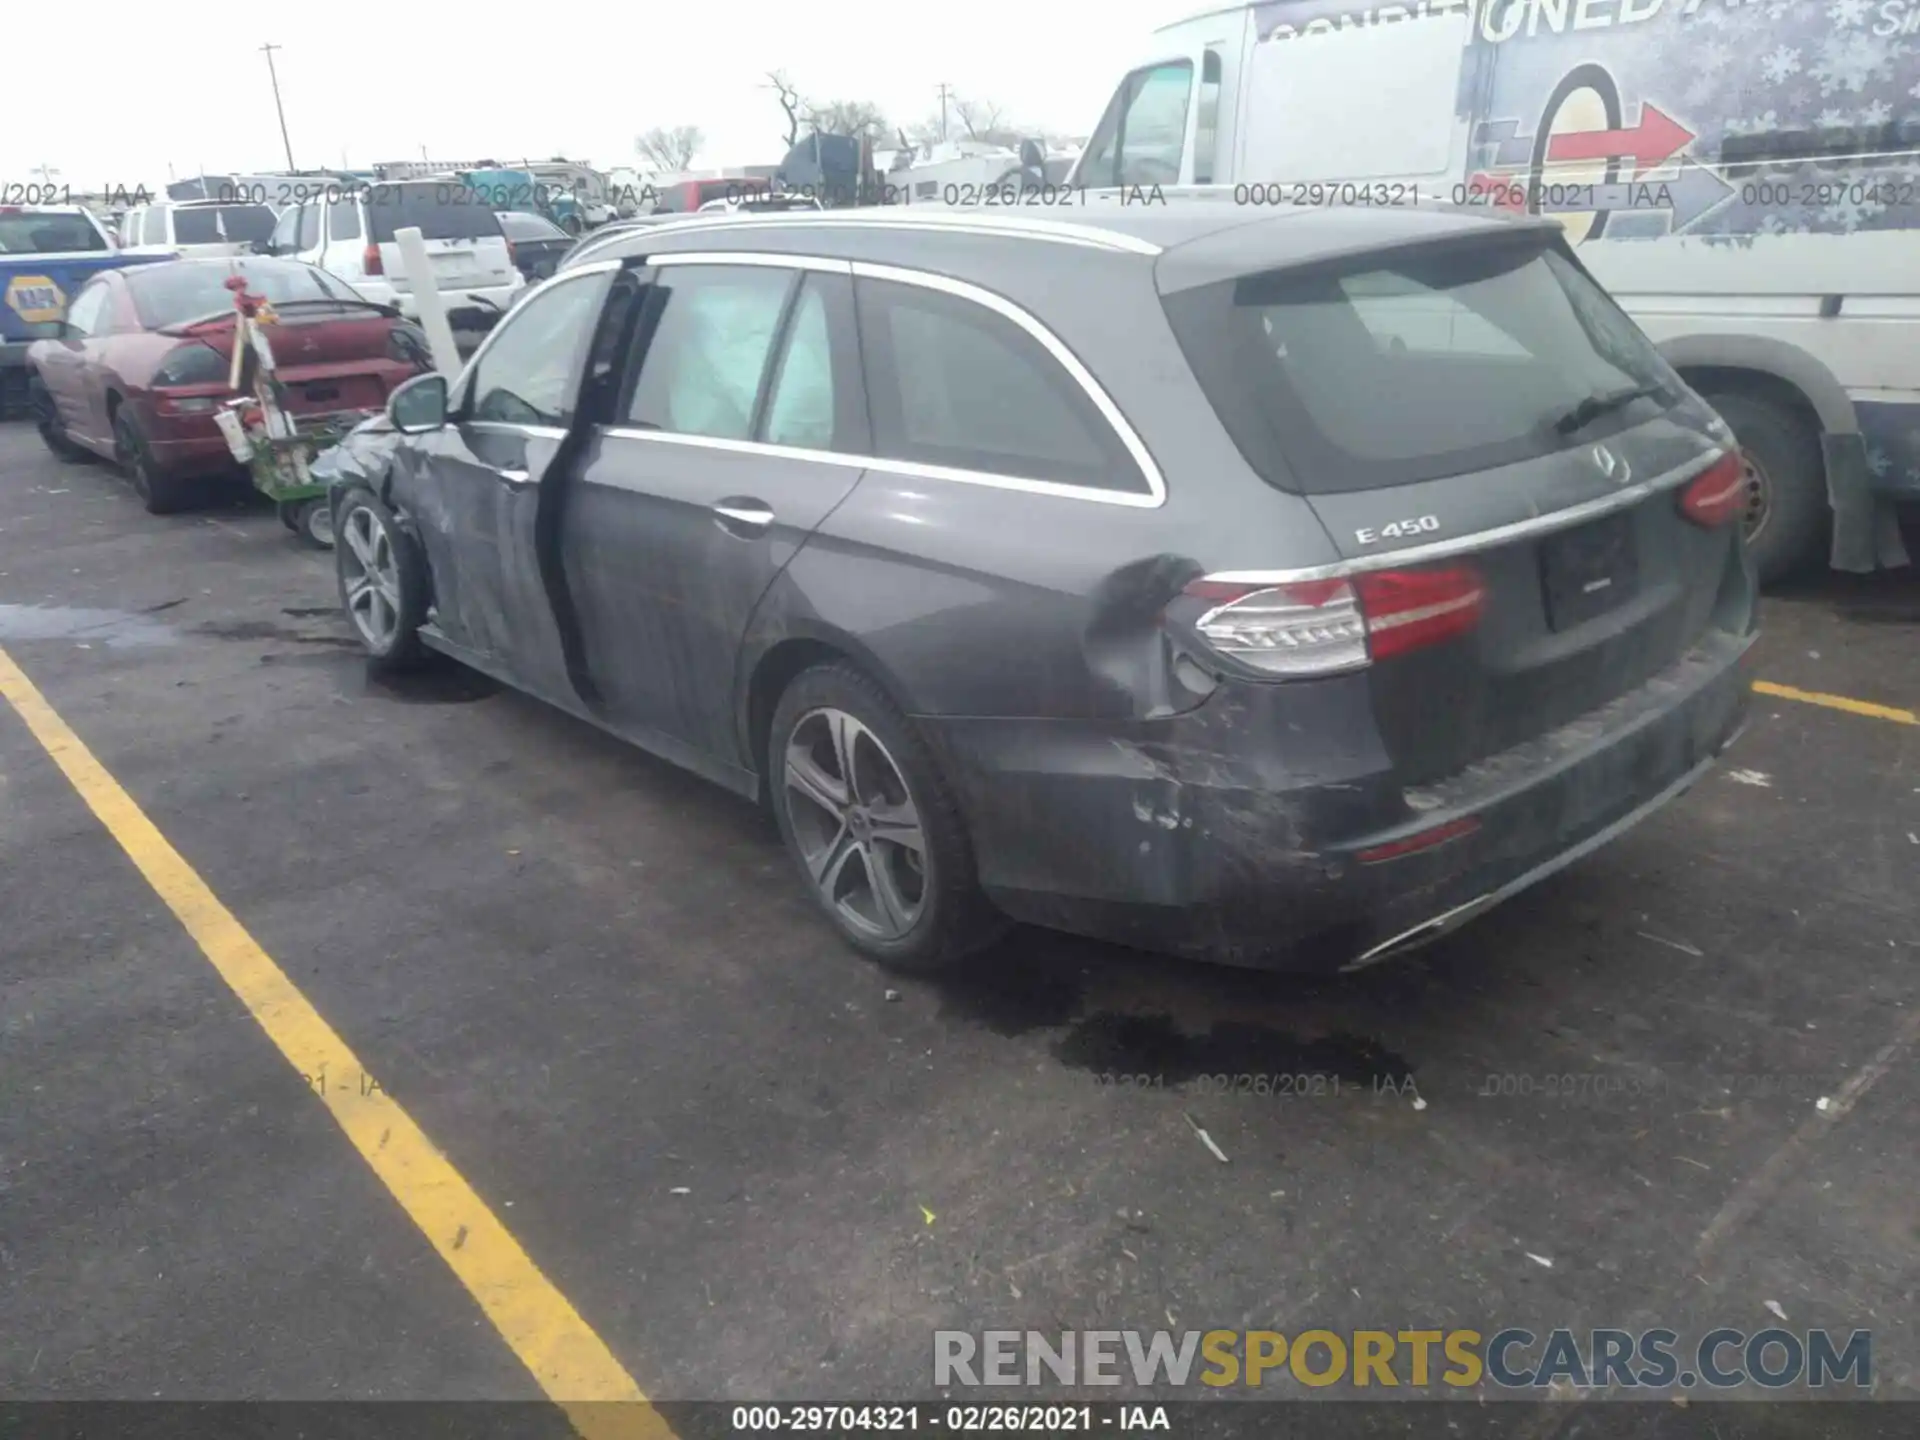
(516, 477)
(743, 516)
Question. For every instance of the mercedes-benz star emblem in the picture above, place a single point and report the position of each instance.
(1611, 465)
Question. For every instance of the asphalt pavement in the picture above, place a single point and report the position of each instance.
(755, 1166)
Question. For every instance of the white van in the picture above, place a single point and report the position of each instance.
(348, 232)
(1744, 177)
(195, 228)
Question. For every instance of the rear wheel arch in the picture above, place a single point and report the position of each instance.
(1761, 385)
(779, 665)
(1766, 369)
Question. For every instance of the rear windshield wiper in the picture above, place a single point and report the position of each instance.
(1594, 406)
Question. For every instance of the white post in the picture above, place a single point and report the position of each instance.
(426, 295)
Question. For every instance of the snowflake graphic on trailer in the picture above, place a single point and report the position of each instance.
(1848, 12)
(1784, 61)
(1850, 62)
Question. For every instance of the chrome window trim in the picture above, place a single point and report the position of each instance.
(1533, 527)
(1017, 227)
(752, 257)
(1156, 494)
(456, 388)
(741, 447)
(890, 467)
(511, 427)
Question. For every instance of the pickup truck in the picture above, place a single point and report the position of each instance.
(47, 252)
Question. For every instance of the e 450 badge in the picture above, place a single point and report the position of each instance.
(36, 299)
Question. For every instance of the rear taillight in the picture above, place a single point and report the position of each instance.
(510, 258)
(1325, 627)
(1718, 494)
(370, 261)
(1412, 609)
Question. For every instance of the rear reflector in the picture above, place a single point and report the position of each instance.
(1718, 494)
(1425, 840)
(1325, 627)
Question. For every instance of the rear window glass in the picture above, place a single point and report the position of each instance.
(173, 294)
(444, 210)
(1430, 363)
(952, 383)
(217, 224)
(521, 226)
(31, 234)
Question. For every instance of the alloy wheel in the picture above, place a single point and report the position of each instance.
(371, 575)
(855, 824)
(1759, 496)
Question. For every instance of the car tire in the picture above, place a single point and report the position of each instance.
(1788, 518)
(46, 419)
(371, 544)
(289, 513)
(912, 904)
(313, 523)
(163, 494)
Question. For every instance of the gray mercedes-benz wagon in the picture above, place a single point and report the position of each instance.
(1273, 589)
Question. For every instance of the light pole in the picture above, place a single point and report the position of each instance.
(278, 109)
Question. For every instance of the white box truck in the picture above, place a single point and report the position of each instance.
(1743, 175)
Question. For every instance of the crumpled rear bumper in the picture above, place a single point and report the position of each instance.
(1236, 832)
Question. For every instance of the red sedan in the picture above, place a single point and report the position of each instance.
(143, 357)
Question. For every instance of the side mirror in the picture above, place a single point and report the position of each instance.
(1033, 156)
(419, 405)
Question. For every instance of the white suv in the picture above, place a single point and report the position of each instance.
(195, 228)
(349, 233)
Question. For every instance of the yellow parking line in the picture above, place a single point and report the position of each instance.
(570, 1362)
(1837, 702)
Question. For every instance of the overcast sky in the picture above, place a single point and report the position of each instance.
(183, 84)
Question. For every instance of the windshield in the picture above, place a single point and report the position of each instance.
(444, 210)
(1439, 361)
(28, 232)
(221, 224)
(174, 294)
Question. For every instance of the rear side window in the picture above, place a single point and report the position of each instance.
(954, 384)
(222, 224)
(343, 220)
(155, 232)
(442, 211)
(309, 226)
(1392, 370)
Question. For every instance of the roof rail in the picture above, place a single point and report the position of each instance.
(927, 221)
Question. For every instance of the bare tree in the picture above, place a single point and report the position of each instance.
(789, 96)
(848, 117)
(982, 120)
(670, 149)
(979, 117)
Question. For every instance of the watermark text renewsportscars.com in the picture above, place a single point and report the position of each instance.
(1374, 1360)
